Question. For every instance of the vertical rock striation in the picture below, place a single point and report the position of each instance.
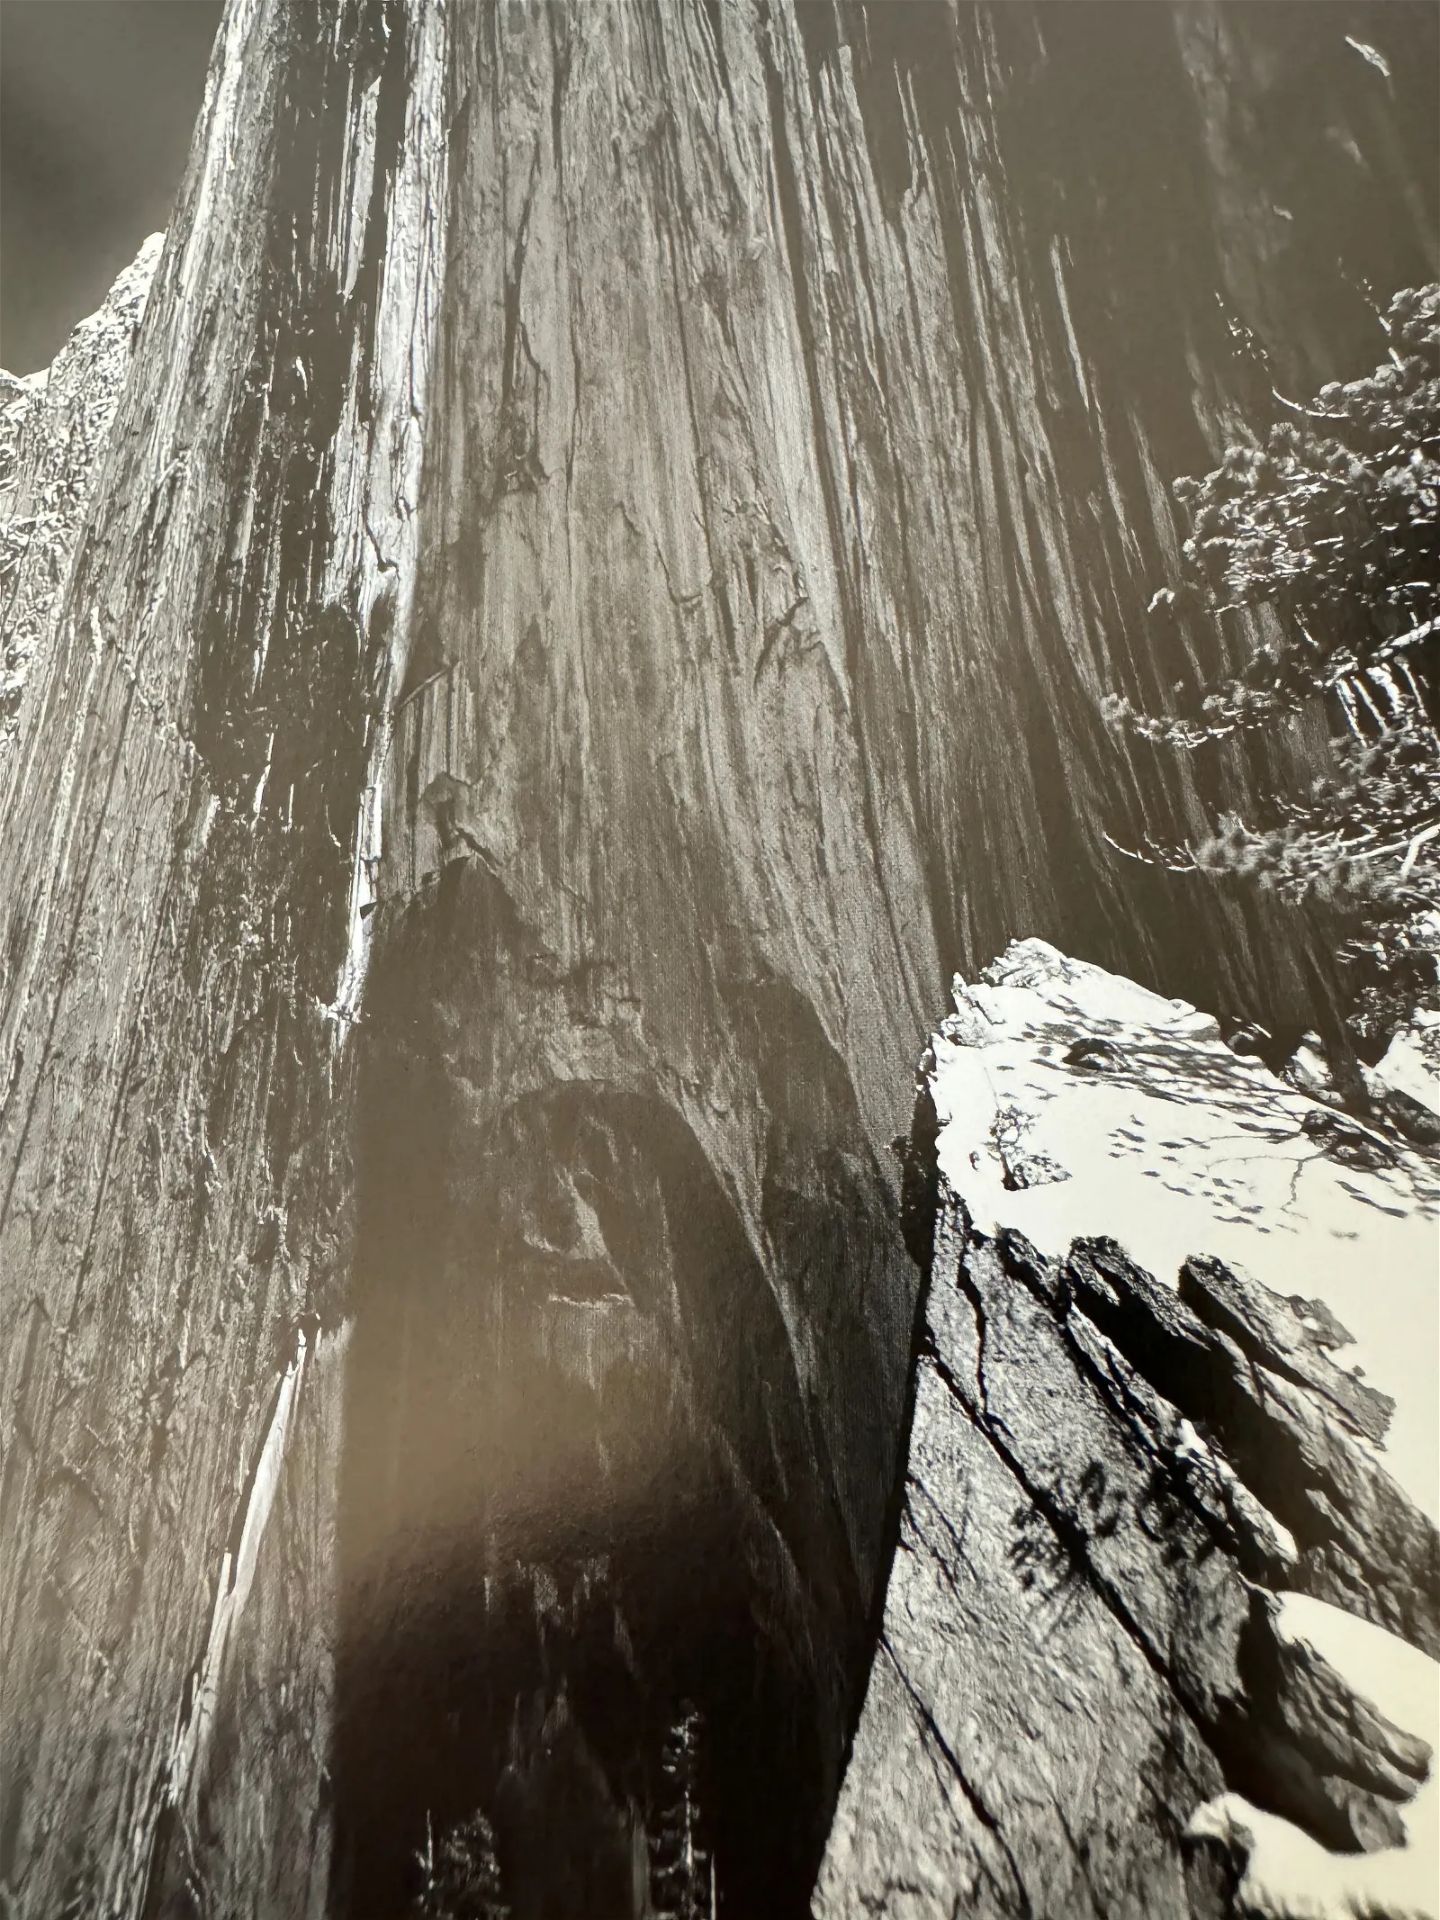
(598, 593)
(54, 427)
(180, 849)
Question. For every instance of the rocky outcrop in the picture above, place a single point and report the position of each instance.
(1119, 1482)
(54, 427)
(598, 595)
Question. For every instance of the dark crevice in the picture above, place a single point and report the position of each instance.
(581, 1485)
(920, 1187)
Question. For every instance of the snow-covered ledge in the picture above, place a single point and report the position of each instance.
(1092, 1652)
(1162, 1137)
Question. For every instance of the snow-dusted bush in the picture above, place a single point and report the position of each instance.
(1333, 523)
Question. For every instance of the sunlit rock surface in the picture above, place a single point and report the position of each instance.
(1162, 1540)
(54, 427)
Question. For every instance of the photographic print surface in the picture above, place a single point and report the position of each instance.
(719, 1010)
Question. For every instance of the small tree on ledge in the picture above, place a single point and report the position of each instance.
(1334, 523)
(460, 1878)
(682, 1881)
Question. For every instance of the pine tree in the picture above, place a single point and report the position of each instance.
(460, 1880)
(681, 1876)
(1332, 524)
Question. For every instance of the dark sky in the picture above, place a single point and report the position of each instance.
(98, 99)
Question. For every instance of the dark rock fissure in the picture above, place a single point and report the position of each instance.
(580, 1494)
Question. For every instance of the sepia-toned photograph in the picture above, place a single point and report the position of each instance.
(719, 959)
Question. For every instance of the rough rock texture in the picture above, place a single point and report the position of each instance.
(1114, 1489)
(54, 428)
(600, 586)
(174, 1136)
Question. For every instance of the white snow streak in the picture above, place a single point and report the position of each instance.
(232, 1589)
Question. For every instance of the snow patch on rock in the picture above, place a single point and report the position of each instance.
(1409, 1062)
(1289, 1876)
(1176, 1146)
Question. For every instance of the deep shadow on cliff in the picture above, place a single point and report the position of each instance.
(583, 1490)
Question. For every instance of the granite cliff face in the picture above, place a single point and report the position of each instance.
(596, 600)
(54, 428)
